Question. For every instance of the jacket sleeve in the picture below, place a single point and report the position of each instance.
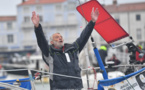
(41, 40)
(82, 40)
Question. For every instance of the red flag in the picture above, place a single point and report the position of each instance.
(106, 26)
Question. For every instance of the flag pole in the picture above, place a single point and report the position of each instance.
(101, 65)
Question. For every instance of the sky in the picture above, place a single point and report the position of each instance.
(9, 7)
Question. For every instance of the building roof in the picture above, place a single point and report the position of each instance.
(7, 18)
(125, 7)
(32, 2)
(109, 8)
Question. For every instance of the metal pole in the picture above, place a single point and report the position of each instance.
(31, 79)
(86, 52)
(87, 56)
(102, 67)
(105, 76)
(128, 22)
(88, 64)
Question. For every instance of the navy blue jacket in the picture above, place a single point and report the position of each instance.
(56, 59)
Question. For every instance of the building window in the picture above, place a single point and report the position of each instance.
(26, 19)
(58, 7)
(58, 17)
(138, 33)
(71, 16)
(138, 17)
(71, 6)
(117, 20)
(0, 26)
(28, 47)
(9, 25)
(40, 18)
(39, 8)
(73, 33)
(65, 7)
(10, 38)
(26, 9)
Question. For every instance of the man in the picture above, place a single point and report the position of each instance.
(141, 60)
(115, 60)
(63, 58)
(103, 54)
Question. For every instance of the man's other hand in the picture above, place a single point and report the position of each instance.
(35, 19)
(94, 14)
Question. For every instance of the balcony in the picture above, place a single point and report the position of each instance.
(63, 23)
(29, 25)
(72, 22)
(3, 48)
(29, 43)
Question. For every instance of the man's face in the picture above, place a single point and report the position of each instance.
(57, 40)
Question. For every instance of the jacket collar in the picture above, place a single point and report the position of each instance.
(67, 47)
(55, 48)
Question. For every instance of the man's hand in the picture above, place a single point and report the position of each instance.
(35, 19)
(94, 14)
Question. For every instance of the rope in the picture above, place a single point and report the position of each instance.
(63, 75)
(56, 74)
(12, 70)
(130, 84)
(12, 87)
(82, 69)
(95, 78)
(95, 75)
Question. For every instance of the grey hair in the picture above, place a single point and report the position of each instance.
(51, 37)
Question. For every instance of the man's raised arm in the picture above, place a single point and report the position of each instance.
(82, 40)
(41, 40)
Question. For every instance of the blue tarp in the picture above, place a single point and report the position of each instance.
(109, 82)
(25, 83)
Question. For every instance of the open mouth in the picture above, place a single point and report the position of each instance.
(60, 41)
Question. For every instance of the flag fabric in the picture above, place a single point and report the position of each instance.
(106, 26)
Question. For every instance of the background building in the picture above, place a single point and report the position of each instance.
(55, 16)
(131, 17)
(17, 32)
(8, 33)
